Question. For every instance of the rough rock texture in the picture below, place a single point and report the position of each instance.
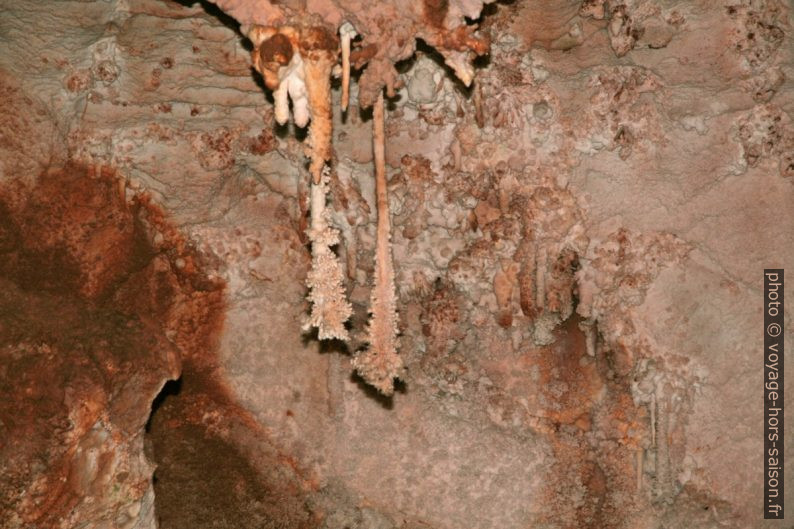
(578, 243)
(95, 317)
(388, 29)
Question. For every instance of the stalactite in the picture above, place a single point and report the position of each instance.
(380, 364)
(590, 336)
(503, 283)
(525, 255)
(298, 64)
(346, 32)
(330, 308)
(540, 277)
(277, 58)
(317, 67)
(653, 420)
(294, 85)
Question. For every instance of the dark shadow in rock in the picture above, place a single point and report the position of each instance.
(372, 393)
(206, 476)
(335, 347)
(431, 53)
(260, 82)
(214, 11)
(171, 387)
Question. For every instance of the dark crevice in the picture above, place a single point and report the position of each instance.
(214, 470)
(386, 401)
(213, 11)
(171, 388)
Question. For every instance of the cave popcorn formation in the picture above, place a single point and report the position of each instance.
(330, 308)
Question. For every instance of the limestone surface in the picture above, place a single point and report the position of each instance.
(579, 223)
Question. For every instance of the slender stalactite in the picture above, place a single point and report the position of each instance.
(380, 364)
(330, 308)
(346, 33)
(317, 67)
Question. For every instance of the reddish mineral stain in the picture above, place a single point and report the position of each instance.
(93, 312)
(435, 11)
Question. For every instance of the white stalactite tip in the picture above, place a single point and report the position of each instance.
(330, 308)
(461, 65)
(286, 79)
(346, 33)
(292, 83)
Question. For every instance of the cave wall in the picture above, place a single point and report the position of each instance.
(578, 240)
